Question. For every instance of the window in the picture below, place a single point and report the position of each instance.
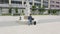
(51, 5)
(24, 2)
(52, 1)
(16, 2)
(38, 0)
(30, 3)
(57, 5)
(4, 1)
(37, 4)
(57, 2)
(45, 2)
(45, 5)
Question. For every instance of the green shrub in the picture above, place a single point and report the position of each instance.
(16, 9)
(10, 10)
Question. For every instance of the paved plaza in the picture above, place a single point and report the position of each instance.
(46, 24)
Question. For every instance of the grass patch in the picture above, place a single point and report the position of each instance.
(6, 14)
(44, 15)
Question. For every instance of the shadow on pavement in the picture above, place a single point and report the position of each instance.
(11, 23)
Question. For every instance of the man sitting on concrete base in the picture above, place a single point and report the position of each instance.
(30, 19)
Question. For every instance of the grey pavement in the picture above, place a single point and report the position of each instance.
(45, 25)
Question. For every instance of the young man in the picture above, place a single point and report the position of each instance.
(30, 20)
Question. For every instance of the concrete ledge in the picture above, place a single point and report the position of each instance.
(25, 21)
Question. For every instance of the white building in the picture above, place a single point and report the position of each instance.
(20, 4)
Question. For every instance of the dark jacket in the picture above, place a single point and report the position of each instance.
(30, 18)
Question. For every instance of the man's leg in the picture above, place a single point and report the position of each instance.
(31, 22)
(28, 22)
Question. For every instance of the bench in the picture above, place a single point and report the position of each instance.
(25, 20)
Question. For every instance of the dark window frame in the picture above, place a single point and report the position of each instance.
(16, 2)
(52, 5)
(4, 1)
(57, 6)
(57, 2)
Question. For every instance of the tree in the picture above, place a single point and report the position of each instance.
(49, 11)
(16, 9)
(33, 9)
(10, 9)
(52, 11)
(41, 9)
(22, 12)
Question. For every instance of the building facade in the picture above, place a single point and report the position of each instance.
(55, 4)
(20, 4)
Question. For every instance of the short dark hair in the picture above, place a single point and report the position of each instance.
(30, 14)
